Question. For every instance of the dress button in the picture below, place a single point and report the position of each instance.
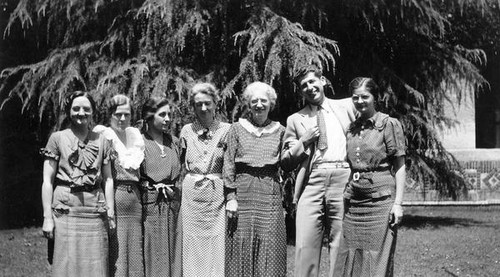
(357, 154)
(357, 148)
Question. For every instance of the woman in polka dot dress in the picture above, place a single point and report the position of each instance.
(202, 212)
(160, 194)
(256, 242)
(375, 151)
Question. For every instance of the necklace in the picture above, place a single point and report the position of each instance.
(162, 148)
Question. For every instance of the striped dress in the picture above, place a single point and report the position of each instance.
(256, 241)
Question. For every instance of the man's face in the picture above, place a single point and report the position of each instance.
(311, 88)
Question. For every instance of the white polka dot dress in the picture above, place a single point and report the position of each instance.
(203, 209)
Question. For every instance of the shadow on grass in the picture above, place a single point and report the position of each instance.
(419, 222)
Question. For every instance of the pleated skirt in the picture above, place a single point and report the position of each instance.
(126, 258)
(81, 236)
(256, 241)
(369, 241)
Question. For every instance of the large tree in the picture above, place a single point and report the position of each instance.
(413, 48)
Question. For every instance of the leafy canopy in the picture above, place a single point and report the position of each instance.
(413, 48)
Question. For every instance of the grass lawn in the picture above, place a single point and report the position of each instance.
(433, 241)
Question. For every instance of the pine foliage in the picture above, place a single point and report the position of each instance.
(162, 47)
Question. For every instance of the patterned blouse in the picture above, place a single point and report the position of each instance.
(372, 143)
(161, 163)
(79, 163)
(251, 146)
(204, 147)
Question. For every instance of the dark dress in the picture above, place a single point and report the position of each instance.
(161, 165)
(79, 204)
(256, 242)
(125, 244)
(370, 242)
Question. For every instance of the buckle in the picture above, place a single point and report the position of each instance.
(355, 176)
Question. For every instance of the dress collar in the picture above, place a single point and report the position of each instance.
(259, 131)
(203, 132)
(377, 121)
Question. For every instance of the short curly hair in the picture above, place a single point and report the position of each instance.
(260, 86)
(302, 71)
(205, 88)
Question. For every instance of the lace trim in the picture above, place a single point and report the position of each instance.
(128, 158)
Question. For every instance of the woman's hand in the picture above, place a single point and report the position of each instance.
(166, 189)
(232, 208)
(396, 215)
(48, 227)
(111, 220)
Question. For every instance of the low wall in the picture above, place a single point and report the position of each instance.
(482, 174)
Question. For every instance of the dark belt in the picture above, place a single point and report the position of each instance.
(270, 170)
(75, 188)
(368, 174)
(126, 185)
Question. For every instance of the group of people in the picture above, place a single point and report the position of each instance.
(119, 201)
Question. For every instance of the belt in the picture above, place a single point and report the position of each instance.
(356, 175)
(126, 185)
(198, 177)
(329, 165)
(148, 184)
(84, 188)
(75, 188)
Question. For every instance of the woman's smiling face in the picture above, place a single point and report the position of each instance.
(81, 111)
(364, 102)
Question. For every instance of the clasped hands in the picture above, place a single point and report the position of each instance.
(165, 189)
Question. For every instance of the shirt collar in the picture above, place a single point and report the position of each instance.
(377, 121)
(323, 105)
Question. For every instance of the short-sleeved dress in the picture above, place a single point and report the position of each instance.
(370, 242)
(79, 204)
(125, 253)
(203, 203)
(161, 165)
(256, 241)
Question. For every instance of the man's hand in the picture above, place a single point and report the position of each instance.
(310, 136)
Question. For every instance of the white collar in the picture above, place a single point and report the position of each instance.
(259, 131)
(128, 157)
